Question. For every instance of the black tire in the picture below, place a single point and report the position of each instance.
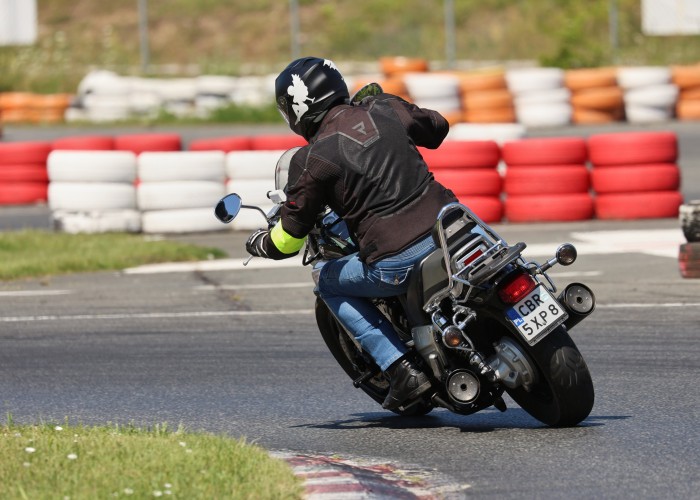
(563, 395)
(354, 362)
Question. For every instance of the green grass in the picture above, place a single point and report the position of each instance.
(32, 253)
(79, 462)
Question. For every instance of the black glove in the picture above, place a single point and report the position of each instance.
(254, 245)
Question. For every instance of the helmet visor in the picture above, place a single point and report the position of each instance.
(283, 108)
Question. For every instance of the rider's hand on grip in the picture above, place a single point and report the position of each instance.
(254, 245)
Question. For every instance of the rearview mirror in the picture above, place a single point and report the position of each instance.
(228, 207)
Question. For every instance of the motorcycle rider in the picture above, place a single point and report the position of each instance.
(362, 162)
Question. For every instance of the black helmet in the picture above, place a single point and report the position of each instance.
(306, 90)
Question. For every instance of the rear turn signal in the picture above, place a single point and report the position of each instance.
(516, 287)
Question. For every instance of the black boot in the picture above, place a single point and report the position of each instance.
(406, 381)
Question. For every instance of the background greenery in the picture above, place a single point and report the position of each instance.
(189, 37)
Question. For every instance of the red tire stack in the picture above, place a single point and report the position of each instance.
(139, 143)
(469, 169)
(547, 180)
(23, 176)
(635, 175)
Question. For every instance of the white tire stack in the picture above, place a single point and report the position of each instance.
(251, 174)
(177, 191)
(540, 97)
(93, 191)
(437, 91)
(104, 96)
(213, 92)
(649, 94)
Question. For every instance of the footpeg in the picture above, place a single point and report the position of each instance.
(363, 378)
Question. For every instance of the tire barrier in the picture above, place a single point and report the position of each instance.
(687, 79)
(177, 190)
(85, 143)
(649, 95)
(251, 174)
(23, 175)
(486, 98)
(547, 180)
(225, 144)
(635, 175)
(27, 107)
(469, 169)
(93, 191)
(104, 183)
(438, 91)
(595, 95)
(139, 143)
(540, 97)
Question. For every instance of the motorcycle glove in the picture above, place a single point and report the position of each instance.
(255, 246)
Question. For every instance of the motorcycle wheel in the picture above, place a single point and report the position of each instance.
(354, 362)
(563, 395)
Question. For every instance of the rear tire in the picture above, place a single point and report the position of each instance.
(563, 395)
(354, 362)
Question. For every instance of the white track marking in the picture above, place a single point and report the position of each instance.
(156, 315)
(260, 286)
(656, 242)
(34, 293)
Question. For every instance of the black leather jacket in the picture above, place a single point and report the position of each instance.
(363, 164)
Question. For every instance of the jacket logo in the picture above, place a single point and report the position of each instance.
(360, 127)
(300, 95)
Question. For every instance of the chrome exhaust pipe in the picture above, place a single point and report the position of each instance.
(579, 302)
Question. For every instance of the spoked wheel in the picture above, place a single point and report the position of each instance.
(563, 394)
(356, 363)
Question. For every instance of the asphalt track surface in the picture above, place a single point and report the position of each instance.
(224, 349)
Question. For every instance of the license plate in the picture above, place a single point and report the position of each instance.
(536, 315)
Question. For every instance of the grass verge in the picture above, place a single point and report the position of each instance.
(32, 253)
(79, 462)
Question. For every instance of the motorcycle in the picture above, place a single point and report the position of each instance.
(478, 318)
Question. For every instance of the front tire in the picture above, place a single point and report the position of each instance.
(354, 362)
(563, 395)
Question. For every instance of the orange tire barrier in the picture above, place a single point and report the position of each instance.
(480, 81)
(583, 79)
(26, 107)
(398, 65)
(486, 98)
(688, 109)
(686, 76)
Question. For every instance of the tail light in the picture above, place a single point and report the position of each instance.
(516, 287)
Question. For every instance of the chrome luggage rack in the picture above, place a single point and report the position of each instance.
(471, 264)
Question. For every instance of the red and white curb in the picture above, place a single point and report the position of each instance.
(335, 478)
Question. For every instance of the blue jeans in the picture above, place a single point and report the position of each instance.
(347, 283)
